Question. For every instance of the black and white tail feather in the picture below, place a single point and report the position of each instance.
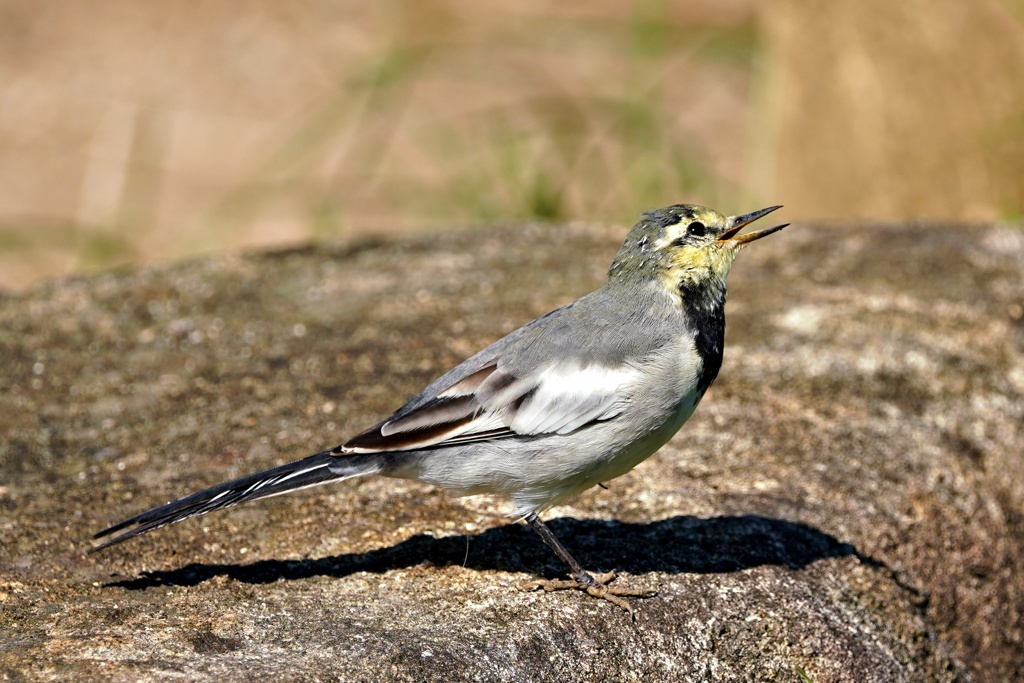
(319, 468)
(476, 402)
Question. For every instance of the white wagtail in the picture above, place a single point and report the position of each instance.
(579, 396)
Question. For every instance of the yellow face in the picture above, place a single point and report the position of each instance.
(694, 254)
(685, 246)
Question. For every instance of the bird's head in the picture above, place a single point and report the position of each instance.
(685, 246)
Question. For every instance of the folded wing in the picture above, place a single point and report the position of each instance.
(496, 403)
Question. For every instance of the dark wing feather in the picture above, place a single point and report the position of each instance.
(493, 403)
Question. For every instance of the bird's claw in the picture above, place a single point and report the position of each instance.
(597, 587)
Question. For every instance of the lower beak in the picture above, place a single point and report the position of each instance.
(738, 222)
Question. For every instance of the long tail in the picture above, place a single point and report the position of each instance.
(314, 470)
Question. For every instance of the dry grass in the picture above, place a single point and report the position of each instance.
(130, 132)
(903, 110)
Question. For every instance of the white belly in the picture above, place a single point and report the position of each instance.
(544, 470)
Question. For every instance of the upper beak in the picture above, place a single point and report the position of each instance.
(736, 224)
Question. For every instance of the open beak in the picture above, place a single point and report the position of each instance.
(738, 222)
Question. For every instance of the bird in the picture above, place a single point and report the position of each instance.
(570, 400)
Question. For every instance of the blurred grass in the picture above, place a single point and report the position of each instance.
(600, 152)
(132, 135)
(449, 114)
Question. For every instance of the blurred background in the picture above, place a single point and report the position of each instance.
(145, 132)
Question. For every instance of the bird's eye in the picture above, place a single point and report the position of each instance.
(694, 229)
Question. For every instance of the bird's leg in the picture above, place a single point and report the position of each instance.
(581, 579)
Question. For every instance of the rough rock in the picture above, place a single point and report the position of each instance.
(846, 505)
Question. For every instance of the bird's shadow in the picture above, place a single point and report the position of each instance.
(675, 545)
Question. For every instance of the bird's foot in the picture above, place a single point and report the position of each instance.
(597, 586)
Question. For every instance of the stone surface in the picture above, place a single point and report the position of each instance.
(846, 503)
